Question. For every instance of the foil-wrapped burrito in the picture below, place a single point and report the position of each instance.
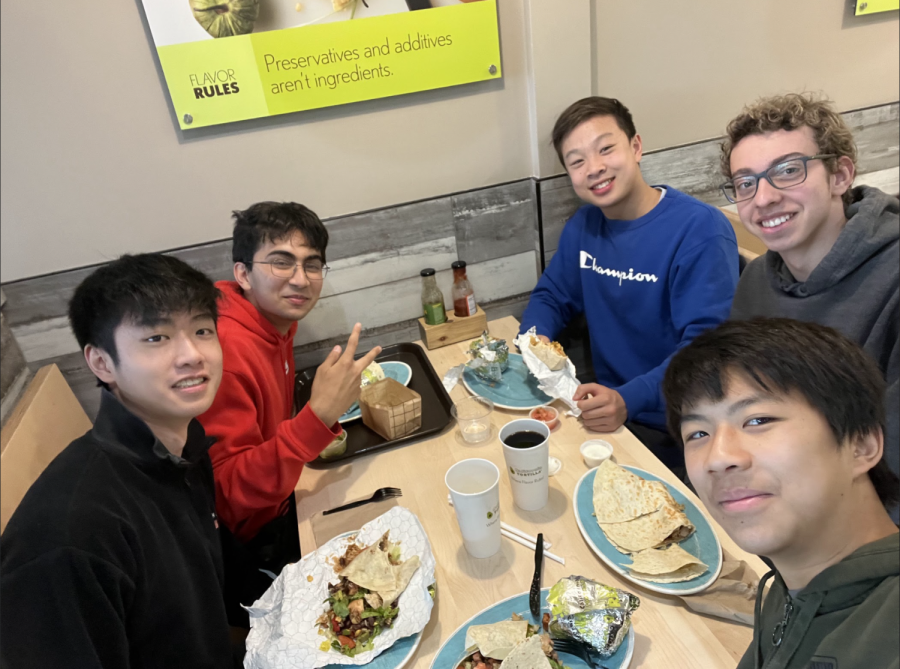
(490, 357)
(591, 612)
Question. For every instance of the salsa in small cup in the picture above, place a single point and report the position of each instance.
(547, 415)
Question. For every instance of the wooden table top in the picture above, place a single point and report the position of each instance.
(667, 634)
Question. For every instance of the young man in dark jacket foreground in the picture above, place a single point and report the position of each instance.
(113, 558)
(782, 425)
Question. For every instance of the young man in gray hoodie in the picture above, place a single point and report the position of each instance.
(781, 423)
(790, 162)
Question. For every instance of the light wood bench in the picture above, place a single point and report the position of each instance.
(47, 418)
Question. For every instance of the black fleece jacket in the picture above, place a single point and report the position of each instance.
(113, 558)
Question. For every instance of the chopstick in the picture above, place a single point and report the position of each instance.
(523, 539)
(513, 530)
(532, 545)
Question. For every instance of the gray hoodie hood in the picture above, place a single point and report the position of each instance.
(872, 225)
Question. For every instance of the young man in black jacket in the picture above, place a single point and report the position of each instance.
(783, 431)
(113, 558)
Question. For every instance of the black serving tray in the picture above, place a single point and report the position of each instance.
(361, 440)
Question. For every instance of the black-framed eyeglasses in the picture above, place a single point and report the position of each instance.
(315, 270)
(786, 174)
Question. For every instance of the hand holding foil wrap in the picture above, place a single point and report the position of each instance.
(560, 385)
(591, 612)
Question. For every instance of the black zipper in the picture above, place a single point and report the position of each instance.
(780, 628)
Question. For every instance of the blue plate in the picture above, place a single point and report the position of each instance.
(396, 656)
(703, 543)
(399, 371)
(517, 390)
(454, 649)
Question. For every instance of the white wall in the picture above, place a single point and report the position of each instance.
(686, 67)
(94, 165)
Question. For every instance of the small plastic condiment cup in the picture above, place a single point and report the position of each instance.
(595, 451)
(553, 422)
(336, 447)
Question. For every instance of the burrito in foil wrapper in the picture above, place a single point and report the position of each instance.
(591, 612)
(490, 357)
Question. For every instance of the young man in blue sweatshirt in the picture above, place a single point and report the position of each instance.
(650, 267)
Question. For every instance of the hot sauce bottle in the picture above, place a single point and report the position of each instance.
(462, 291)
(432, 299)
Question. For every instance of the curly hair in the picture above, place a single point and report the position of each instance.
(790, 112)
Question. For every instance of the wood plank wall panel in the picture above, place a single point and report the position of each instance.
(376, 256)
(375, 259)
(694, 169)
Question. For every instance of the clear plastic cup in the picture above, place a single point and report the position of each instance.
(473, 415)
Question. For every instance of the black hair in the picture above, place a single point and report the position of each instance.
(143, 289)
(782, 356)
(586, 109)
(271, 222)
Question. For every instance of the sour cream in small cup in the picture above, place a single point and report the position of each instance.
(595, 451)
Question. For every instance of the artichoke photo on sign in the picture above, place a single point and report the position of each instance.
(224, 18)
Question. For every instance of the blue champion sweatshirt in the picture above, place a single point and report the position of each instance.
(647, 287)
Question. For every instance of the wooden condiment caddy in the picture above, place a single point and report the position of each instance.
(456, 329)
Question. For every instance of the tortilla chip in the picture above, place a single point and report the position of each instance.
(665, 526)
(662, 560)
(497, 639)
(527, 655)
(620, 496)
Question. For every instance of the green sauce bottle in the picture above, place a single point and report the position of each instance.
(432, 299)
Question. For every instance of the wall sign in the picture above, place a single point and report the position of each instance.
(230, 60)
(864, 7)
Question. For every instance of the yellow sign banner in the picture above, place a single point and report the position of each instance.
(864, 7)
(214, 81)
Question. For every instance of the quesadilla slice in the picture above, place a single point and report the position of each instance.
(620, 496)
(509, 644)
(364, 602)
(666, 526)
(666, 565)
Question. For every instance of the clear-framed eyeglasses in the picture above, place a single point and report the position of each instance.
(314, 270)
(786, 174)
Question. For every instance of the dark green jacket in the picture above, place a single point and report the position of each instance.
(848, 616)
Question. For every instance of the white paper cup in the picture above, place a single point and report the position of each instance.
(475, 489)
(528, 468)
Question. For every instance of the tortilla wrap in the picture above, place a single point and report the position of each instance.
(527, 655)
(620, 495)
(551, 354)
(669, 565)
(497, 639)
(666, 526)
(372, 569)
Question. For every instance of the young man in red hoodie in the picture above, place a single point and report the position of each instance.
(279, 266)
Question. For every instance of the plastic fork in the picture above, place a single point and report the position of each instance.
(380, 495)
(577, 648)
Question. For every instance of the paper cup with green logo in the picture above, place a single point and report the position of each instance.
(475, 490)
(528, 468)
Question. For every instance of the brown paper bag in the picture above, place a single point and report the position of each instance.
(732, 596)
(391, 409)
